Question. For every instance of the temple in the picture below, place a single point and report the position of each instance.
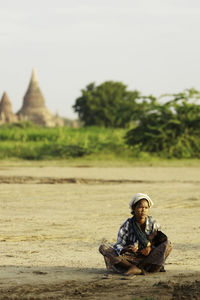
(6, 112)
(33, 108)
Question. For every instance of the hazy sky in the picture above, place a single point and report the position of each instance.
(150, 45)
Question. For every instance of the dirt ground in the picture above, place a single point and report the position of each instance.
(53, 220)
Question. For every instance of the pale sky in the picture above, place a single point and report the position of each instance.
(149, 45)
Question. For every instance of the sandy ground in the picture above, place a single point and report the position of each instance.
(54, 218)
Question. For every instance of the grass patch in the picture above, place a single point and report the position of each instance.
(76, 146)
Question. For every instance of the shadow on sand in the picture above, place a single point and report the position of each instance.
(61, 282)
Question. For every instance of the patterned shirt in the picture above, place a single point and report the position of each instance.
(126, 235)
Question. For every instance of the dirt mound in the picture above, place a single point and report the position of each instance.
(77, 180)
(105, 289)
(187, 291)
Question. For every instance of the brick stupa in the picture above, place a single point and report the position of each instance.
(6, 112)
(34, 108)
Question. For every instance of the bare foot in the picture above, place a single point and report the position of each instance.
(133, 271)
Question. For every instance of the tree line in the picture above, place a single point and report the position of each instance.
(169, 125)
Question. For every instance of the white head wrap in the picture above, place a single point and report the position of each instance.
(137, 197)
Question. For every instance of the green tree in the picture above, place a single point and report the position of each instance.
(110, 104)
(172, 128)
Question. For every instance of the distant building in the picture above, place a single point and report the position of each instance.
(34, 109)
(6, 112)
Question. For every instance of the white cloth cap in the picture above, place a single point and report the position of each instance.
(139, 196)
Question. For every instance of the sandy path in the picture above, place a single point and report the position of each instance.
(50, 233)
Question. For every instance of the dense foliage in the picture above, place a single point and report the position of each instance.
(110, 105)
(27, 141)
(167, 127)
(171, 129)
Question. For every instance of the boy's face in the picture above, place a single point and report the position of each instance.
(141, 210)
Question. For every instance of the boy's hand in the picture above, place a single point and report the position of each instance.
(146, 251)
(133, 248)
(130, 248)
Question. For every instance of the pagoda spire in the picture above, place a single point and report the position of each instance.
(6, 112)
(33, 107)
(34, 76)
(5, 104)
